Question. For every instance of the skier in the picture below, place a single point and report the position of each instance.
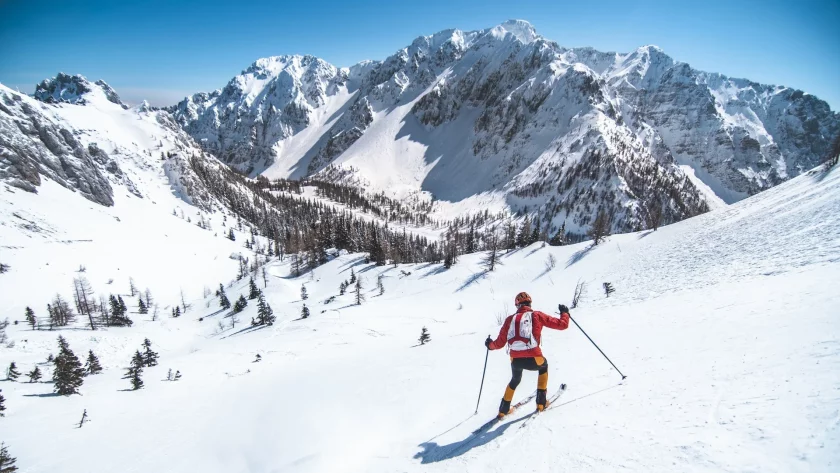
(521, 332)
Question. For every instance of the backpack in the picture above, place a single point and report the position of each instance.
(520, 334)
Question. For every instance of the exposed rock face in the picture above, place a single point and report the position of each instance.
(33, 144)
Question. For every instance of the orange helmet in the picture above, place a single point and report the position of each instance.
(522, 298)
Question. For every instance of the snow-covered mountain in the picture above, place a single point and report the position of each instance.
(505, 116)
(724, 323)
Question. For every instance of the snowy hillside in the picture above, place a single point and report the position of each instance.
(724, 323)
(506, 116)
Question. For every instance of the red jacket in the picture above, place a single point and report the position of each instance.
(539, 320)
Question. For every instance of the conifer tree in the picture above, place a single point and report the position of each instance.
(253, 291)
(12, 374)
(2, 404)
(600, 227)
(379, 285)
(265, 315)
(559, 238)
(123, 307)
(342, 288)
(358, 291)
(424, 336)
(240, 304)
(352, 276)
(7, 462)
(141, 306)
(231, 236)
(118, 312)
(148, 299)
(50, 358)
(68, 373)
(303, 293)
(149, 357)
(177, 312)
(34, 375)
(92, 365)
(134, 371)
(30, 317)
(224, 303)
(304, 313)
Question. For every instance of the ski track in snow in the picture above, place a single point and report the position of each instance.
(725, 325)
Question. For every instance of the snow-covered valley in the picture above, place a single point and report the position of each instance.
(724, 323)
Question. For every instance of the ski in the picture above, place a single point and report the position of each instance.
(551, 403)
(487, 425)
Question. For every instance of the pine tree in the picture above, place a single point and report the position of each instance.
(2, 404)
(34, 375)
(132, 287)
(92, 365)
(141, 306)
(231, 236)
(224, 303)
(379, 285)
(253, 291)
(149, 357)
(12, 374)
(559, 238)
(600, 227)
(148, 299)
(342, 288)
(68, 374)
(491, 259)
(177, 375)
(7, 462)
(352, 276)
(424, 336)
(177, 311)
(50, 358)
(304, 313)
(265, 315)
(358, 291)
(30, 317)
(303, 294)
(118, 312)
(240, 304)
(134, 371)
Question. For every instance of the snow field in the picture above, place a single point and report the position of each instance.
(723, 323)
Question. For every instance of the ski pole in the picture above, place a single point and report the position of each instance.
(486, 355)
(599, 348)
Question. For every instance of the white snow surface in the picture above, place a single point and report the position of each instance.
(724, 323)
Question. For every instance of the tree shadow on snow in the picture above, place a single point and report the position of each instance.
(645, 233)
(42, 395)
(472, 279)
(433, 452)
(433, 272)
(578, 255)
(249, 328)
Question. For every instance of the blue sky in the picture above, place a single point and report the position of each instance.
(164, 50)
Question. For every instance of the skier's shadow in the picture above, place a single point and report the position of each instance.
(434, 452)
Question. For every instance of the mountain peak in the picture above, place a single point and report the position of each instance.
(76, 89)
(520, 29)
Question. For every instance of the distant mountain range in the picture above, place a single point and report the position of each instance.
(502, 118)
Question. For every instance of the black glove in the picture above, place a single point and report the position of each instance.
(563, 309)
(488, 342)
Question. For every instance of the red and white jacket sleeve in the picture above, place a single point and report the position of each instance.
(553, 322)
(501, 340)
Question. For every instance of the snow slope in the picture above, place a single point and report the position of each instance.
(725, 324)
